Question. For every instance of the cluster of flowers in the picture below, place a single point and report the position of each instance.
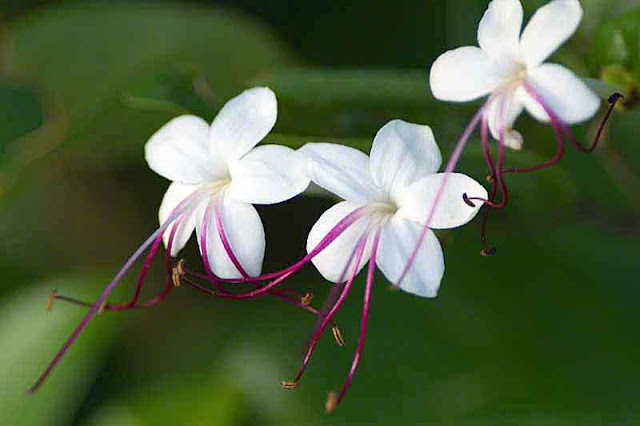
(392, 199)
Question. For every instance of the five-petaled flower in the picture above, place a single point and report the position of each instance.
(219, 165)
(509, 66)
(394, 187)
(389, 195)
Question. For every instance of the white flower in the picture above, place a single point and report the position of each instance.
(508, 62)
(220, 165)
(396, 188)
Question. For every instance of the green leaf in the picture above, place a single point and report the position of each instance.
(95, 58)
(29, 338)
(21, 113)
(355, 103)
(615, 54)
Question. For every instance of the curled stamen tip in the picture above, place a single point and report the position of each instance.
(331, 403)
(337, 334)
(306, 299)
(466, 199)
(102, 308)
(288, 384)
(488, 252)
(615, 98)
(50, 300)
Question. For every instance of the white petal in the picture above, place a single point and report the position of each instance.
(268, 174)
(399, 237)
(452, 211)
(463, 74)
(548, 29)
(179, 151)
(403, 153)
(243, 122)
(341, 170)
(334, 259)
(502, 114)
(176, 193)
(244, 231)
(564, 93)
(499, 29)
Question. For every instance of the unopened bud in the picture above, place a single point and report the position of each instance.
(337, 334)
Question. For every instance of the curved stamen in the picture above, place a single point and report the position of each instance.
(331, 236)
(182, 207)
(354, 259)
(484, 136)
(363, 321)
(451, 164)
(612, 100)
(469, 201)
(225, 242)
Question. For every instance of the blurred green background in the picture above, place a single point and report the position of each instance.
(544, 333)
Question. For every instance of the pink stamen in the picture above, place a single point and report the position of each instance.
(331, 236)
(354, 259)
(365, 316)
(225, 242)
(112, 285)
(451, 164)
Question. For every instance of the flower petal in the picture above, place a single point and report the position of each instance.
(243, 122)
(334, 259)
(502, 114)
(245, 233)
(176, 193)
(563, 92)
(268, 174)
(551, 25)
(463, 74)
(452, 211)
(403, 153)
(179, 151)
(499, 29)
(399, 238)
(341, 170)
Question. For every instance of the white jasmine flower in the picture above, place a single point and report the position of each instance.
(219, 165)
(509, 66)
(395, 189)
(382, 220)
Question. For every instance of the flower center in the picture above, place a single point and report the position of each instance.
(515, 72)
(381, 211)
(218, 186)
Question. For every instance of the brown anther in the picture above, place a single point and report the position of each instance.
(306, 299)
(490, 178)
(488, 252)
(331, 403)
(288, 385)
(177, 273)
(50, 300)
(337, 334)
(102, 308)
